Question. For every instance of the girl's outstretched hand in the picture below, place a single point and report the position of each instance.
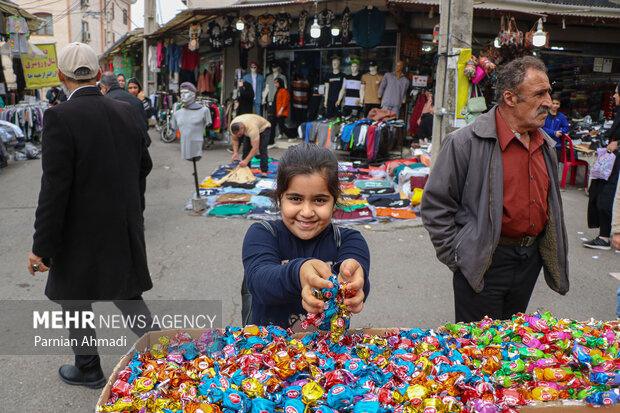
(352, 273)
(314, 274)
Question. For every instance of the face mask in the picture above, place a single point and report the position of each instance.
(187, 97)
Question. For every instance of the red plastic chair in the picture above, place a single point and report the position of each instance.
(571, 163)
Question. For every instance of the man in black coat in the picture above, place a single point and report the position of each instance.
(88, 229)
(111, 89)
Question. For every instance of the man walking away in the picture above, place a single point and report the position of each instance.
(88, 227)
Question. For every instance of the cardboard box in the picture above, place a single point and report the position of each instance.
(147, 340)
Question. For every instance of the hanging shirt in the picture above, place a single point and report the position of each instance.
(352, 85)
(368, 27)
(371, 87)
(300, 93)
(282, 29)
(335, 84)
(191, 59)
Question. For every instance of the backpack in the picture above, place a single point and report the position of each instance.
(246, 296)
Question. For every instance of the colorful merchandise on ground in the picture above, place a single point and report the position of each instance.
(388, 192)
(489, 366)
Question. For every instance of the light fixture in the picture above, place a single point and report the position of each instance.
(315, 30)
(539, 38)
(239, 25)
(496, 43)
(335, 31)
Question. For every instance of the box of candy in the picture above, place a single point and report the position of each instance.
(529, 363)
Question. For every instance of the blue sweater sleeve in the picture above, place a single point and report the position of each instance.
(353, 245)
(563, 123)
(549, 127)
(269, 281)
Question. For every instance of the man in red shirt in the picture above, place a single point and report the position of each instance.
(492, 203)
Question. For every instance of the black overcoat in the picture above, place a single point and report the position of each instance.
(88, 221)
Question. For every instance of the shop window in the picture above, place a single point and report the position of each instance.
(124, 16)
(46, 29)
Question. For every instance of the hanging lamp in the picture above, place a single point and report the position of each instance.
(540, 37)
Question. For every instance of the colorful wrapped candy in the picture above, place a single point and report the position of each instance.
(490, 366)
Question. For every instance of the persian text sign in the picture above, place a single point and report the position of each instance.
(41, 71)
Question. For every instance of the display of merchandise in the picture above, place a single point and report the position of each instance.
(488, 366)
(374, 193)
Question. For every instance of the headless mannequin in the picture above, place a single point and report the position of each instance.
(335, 71)
(191, 120)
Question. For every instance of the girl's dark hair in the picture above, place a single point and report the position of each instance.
(307, 159)
(279, 83)
(136, 81)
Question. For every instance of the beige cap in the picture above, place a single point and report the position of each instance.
(75, 56)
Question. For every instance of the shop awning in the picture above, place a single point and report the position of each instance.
(580, 8)
(125, 42)
(13, 9)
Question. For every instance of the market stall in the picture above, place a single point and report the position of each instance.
(530, 362)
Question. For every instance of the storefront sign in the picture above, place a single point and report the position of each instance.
(41, 71)
(602, 65)
(419, 81)
(123, 65)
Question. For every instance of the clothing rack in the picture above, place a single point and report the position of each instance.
(27, 116)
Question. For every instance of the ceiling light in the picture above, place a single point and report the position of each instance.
(335, 31)
(540, 38)
(496, 43)
(315, 30)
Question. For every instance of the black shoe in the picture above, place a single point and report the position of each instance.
(93, 379)
(597, 243)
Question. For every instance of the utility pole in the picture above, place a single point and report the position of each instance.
(150, 11)
(455, 27)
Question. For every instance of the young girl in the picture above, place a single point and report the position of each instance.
(284, 260)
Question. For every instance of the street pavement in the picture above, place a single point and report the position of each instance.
(195, 257)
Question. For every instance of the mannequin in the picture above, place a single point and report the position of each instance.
(370, 86)
(350, 91)
(269, 95)
(191, 121)
(258, 85)
(333, 85)
(394, 87)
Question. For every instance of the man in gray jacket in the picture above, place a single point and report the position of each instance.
(492, 204)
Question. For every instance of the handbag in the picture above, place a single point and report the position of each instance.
(510, 35)
(476, 105)
(476, 102)
(603, 165)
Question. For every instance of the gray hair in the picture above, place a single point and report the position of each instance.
(109, 79)
(512, 74)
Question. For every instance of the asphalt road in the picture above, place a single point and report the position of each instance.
(194, 257)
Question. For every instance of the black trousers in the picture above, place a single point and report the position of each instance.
(262, 148)
(86, 357)
(508, 285)
(601, 200)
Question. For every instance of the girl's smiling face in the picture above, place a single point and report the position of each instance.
(307, 205)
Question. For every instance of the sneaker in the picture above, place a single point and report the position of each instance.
(229, 150)
(597, 243)
(273, 145)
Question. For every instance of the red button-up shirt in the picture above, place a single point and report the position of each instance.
(526, 182)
